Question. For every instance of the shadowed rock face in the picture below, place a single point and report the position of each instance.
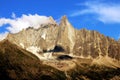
(82, 43)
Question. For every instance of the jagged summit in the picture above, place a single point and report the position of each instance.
(52, 20)
(64, 20)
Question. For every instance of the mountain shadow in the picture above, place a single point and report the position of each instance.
(57, 48)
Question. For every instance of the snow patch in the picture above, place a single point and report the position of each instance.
(35, 50)
(43, 35)
(48, 55)
(22, 45)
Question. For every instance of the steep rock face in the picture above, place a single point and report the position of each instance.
(66, 35)
(46, 37)
(42, 38)
(81, 43)
(93, 44)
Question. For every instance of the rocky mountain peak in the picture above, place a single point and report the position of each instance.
(52, 20)
(67, 35)
(64, 20)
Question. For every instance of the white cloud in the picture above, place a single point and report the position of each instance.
(23, 22)
(107, 13)
(82, 12)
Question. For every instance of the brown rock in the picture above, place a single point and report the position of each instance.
(82, 43)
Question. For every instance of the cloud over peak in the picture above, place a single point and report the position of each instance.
(16, 24)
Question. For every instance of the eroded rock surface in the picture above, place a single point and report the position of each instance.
(82, 43)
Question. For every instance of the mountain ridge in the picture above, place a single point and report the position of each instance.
(71, 40)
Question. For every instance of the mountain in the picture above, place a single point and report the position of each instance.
(82, 43)
(78, 54)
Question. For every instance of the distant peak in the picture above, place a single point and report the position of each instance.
(52, 20)
(64, 17)
(64, 20)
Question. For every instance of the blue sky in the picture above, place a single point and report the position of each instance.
(99, 15)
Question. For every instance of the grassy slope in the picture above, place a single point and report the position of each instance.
(94, 72)
(18, 64)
